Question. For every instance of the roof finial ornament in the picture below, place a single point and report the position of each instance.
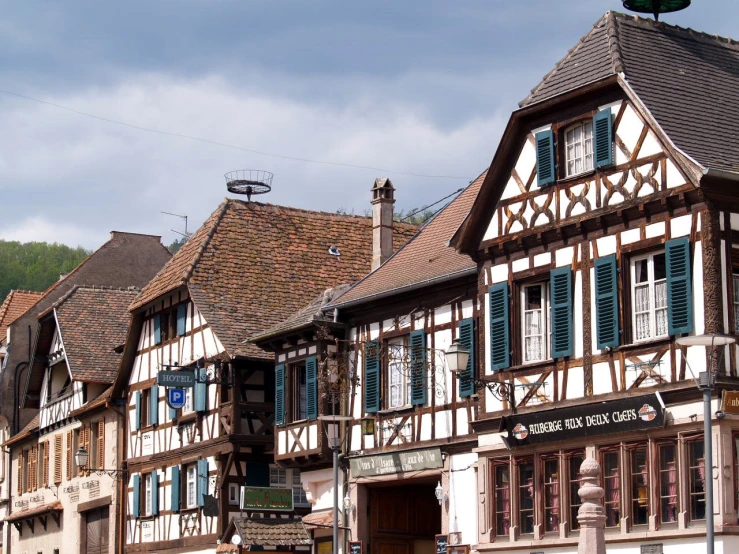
(655, 7)
(249, 181)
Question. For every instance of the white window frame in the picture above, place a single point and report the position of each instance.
(585, 146)
(398, 362)
(191, 486)
(546, 332)
(189, 406)
(234, 494)
(284, 478)
(651, 285)
(147, 495)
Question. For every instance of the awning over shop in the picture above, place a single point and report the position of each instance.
(319, 519)
(41, 512)
(271, 531)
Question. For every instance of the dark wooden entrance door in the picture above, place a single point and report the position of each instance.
(402, 517)
(95, 535)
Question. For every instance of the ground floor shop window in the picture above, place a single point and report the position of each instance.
(575, 461)
(526, 497)
(639, 476)
(612, 485)
(502, 503)
(697, 480)
(668, 483)
(551, 495)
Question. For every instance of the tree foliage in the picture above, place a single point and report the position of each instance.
(35, 265)
(176, 244)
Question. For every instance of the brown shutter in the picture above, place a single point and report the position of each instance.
(69, 455)
(33, 469)
(19, 472)
(45, 465)
(101, 444)
(58, 459)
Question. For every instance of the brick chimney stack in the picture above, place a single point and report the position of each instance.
(383, 198)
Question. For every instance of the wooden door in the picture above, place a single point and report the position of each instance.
(95, 537)
(400, 516)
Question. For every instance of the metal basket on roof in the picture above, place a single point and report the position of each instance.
(249, 181)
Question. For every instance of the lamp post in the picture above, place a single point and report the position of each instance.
(706, 382)
(457, 358)
(333, 432)
(81, 459)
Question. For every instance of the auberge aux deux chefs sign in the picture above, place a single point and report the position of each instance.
(617, 416)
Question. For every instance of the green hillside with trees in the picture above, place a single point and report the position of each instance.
(35, 265)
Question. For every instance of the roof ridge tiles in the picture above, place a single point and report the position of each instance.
(614, 46)
(723, 41)
(98, 288)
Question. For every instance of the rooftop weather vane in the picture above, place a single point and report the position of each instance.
(249, 181)
(655, 7)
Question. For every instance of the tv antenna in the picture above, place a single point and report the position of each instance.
(185, 234)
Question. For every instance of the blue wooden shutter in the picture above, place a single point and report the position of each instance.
(202, 481)
(181, 319)
(154, 405)
(154, 493)
(201, 389)
(603, 140)
(545, 160)
(157, 329)
(136, 495)
(679, 286)
(172, 412)
(372, 377)
(311, 388)
(561, 300)
(606, 302)
(467, 339)
(175, 489)
(500, 333)
(418, 367)
(137, 417)
(280, 394)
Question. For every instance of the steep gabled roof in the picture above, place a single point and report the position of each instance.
(426, 258)
(686, 79)
(251, 265)
(15, 304)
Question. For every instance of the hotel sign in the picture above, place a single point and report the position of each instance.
(638, 413)
(384, 464)
(730, 402)
(266, 498)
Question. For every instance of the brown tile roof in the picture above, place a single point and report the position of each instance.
(251, 265)
(24, 433)
(686, 79)
(425, 258)
(318, 519)
(44, 509)
(15, 304)
(99, 401)
(92, 322)
(272, 531)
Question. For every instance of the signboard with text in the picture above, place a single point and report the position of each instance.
(266, 498)
(176, 379)
(637, 413)
(730, 402)
(384, 464)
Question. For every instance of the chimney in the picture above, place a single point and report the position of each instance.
(383, 198)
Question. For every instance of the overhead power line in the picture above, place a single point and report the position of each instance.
(217, 143)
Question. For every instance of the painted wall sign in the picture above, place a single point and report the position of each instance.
(355, 547)
(176, 379)
(730, 402)
(442, 541)
(396, 462)
(266, 498)
(617, 416)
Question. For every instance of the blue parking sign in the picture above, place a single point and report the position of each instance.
(176, 398)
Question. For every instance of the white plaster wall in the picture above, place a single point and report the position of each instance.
(463, 501)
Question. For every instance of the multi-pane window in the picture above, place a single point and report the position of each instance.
(398, 382)
(649, 294)
(551, 494)
(300, 400)
(191, 486)
(288, 479)
(668, 483)
(535, 322)
(526, 496)
(188, 407)
(502, 492)
(575, 461)
(612, 487)
(736, 301)
(579, 148)
(147, 494)
(299, 496)
(696, 480)
(639, 478)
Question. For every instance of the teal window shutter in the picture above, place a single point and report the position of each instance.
(201, 390)
(561, 300)
(202, 481)
(679, 287)
(417, 343)
(181, 319)
(280, 394)
(311, 388)
(158, 329)
(467, 339)
(154, 493)
(500, 332)
(175, 486)
(545, 160)
(137, 418)
(372, 377)
(136, 495)
(606, 302)
(154, 405)
(172, 412)
(603, 131)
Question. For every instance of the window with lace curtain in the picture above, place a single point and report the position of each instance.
(649, 296)
(696, 480)
(668, 483)
(398, 382)
(502, 501)
(535, 322)
(579, 148)
(551, 495)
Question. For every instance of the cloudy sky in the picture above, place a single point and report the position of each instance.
(419, 91)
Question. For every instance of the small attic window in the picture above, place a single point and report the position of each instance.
(334, 250)
(579, 148)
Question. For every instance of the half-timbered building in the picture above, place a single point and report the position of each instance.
(60, 502)
(605, 230)
(248, 267)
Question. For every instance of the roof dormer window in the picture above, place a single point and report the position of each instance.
(579, 148)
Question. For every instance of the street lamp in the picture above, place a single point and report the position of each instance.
(705, 382)
(82, 457)
(333, 432)
(457, 358)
